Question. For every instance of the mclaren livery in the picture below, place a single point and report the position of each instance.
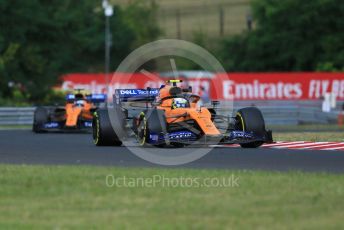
(76, 115)
(172, 116)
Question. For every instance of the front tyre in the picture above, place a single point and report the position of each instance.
(251, 120)
(142, 130)
(103, 132)
(151, 122)
(39, 119)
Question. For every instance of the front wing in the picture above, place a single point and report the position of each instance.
(84, 125)
(187, 137)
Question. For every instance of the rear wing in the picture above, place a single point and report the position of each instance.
(142, 95)
(94, 98)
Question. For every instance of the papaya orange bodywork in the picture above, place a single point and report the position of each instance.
(201, 115)
(74, 112)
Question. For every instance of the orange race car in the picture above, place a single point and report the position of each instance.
(77, 114)
(174, 116)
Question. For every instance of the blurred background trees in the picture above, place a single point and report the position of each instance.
(290, 35)
(41, 40)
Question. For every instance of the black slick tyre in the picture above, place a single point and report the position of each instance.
(103, 132)
(39, 119)
(250, 119)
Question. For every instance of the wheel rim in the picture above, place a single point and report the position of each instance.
(240, 122)
(142, 130)
(95, 127)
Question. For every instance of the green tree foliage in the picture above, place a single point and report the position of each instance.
(291, 35)
(41, 40)
(140, 16)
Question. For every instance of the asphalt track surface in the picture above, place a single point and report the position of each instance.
(25, 147)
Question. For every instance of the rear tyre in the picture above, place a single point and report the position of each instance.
(39, 119)
(251, 120)
(103, 132)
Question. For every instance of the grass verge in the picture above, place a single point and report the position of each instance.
(60, 197)
(309, 136)
(14, 127)
(307, 128)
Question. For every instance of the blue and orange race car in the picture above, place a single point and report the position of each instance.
(173, 116)
(75, 115)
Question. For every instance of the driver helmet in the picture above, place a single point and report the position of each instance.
(179, 103)
(79, 103)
